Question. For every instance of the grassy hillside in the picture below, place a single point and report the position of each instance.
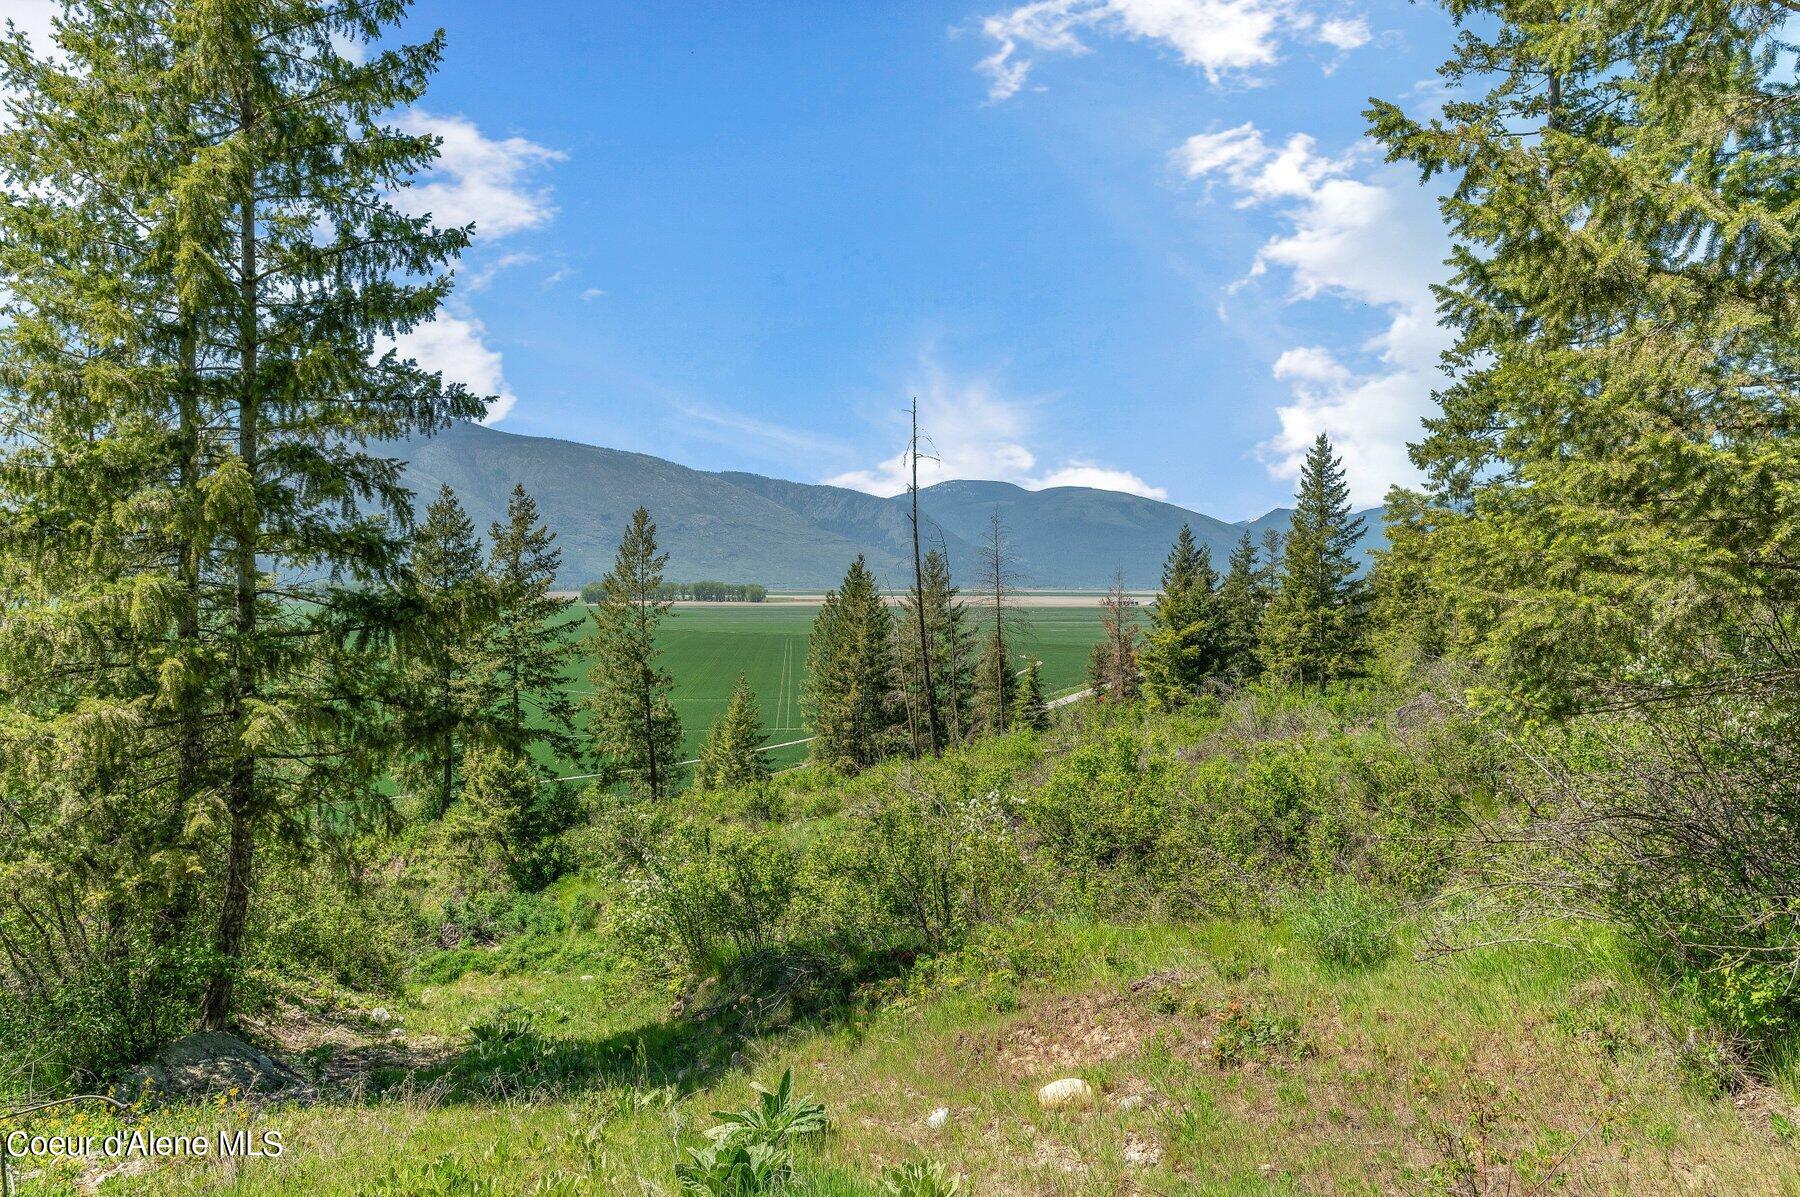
(1268, 1027)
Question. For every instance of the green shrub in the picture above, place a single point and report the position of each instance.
(1344, 925)
(1107, 805)
(709, 896)
(935, 855)
(1241, 1035)
(102, 1015)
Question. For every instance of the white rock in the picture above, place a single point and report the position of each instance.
(1070, 1091)
(587, 976)
(1131, 1101)
(379, 1015)
(936, 1119)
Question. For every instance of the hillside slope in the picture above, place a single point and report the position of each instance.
(747, 527)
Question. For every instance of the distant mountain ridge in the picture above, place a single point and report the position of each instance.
(744, 527)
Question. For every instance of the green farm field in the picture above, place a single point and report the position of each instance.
(707, 647)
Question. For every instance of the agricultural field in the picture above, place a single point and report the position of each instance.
(706, 647)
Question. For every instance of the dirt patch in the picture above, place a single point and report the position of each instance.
(1070, 1033)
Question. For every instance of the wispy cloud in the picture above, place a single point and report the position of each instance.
(734, 426)
(490, 183)
(976, 432)
(1226, 39)
(482, 277)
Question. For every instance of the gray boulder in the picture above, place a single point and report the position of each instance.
(208, 1063)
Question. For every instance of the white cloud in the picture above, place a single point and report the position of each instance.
(1346, 33)
(454, 345)
(1241, 155)
(1225, 39)
(1083, 473)
(592, 293)
(479, 179)
(974, 432)
(1369, 237)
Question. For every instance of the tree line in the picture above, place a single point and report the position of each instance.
(700, 592)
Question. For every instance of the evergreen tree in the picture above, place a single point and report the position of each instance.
(952, 653)
(1240, 608)
(511, 818)
(516, 670)
(1612, 468)
(634, 722)
(1312, 630)
(1185, 644)
(452, 589)
(850, 695)
(995, 678)
(1113, 671)
(244, 308)
(1409, 626)
(1029, 708)
(732, 756)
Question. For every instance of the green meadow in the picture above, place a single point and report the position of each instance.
(707, 647)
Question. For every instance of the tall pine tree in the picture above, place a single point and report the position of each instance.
(634, 722)
(951, 643)
(1240, 609)
(265, 270)
(1614, 466)
(454, 596)
(1185, 642)
(1312, 630)
(851, 695)
(516, 670)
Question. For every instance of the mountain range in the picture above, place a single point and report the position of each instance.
(740, 527)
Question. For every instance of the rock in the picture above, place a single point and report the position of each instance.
(207, 1063)
(587, 976)
(1131, 1101)
(936, 1119)
(379, 1016)
(1141, 1153)
(740, 1060)
(1070, 1091)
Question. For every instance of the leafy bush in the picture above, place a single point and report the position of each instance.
(1107, 804)
(751, 1150)
(1344, 925)
(709, 896)
(938, 856)
(104, 1013)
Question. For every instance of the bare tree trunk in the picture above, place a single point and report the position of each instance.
(931, 712)
(234, 908)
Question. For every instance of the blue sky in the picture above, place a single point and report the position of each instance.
(1134, 243)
